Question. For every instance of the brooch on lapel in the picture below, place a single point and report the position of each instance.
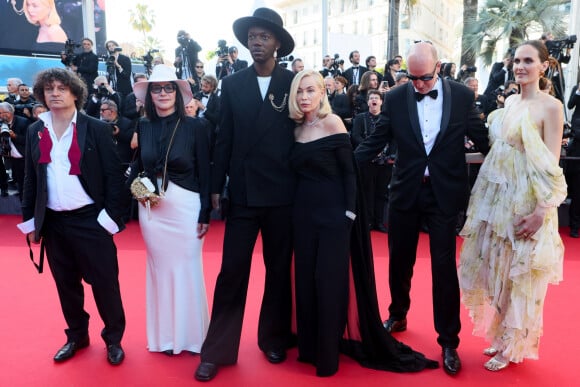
(278, 108)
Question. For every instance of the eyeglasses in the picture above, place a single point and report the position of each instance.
(424, 78)
(105, 109)
(168, 88)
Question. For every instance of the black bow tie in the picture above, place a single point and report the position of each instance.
(205, 95)
(432, 94)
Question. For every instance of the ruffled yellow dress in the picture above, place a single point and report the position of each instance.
(504, 279)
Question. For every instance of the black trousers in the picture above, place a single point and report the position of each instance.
(18, 173)
(403, 241)
(274, 328)
(374, 180)
(322, 286)
(78, 248)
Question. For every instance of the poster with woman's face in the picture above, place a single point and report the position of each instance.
(29, 27)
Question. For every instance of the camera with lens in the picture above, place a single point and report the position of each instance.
(22, 106)
(4, 140)
(223, 49)
(183, 39)
(337, 61)
(471, 69)
(68, 56)
(286, 60)
(148, 60)
(102, 91)
(555, 47)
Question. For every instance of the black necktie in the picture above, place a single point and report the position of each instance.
(432, 94)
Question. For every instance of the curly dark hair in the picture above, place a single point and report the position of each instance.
(67, 78)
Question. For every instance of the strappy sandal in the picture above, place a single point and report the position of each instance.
(491, 351)
(494, 364)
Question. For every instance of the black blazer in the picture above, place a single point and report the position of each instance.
(101, 172)
(124, 77)
(496, 79)
(254, 140)
(348, 74)
(19, 127)
(446, 161)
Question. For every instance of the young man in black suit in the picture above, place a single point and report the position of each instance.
(252, 149)
(354, 74)
(74, 198)
(428, 119)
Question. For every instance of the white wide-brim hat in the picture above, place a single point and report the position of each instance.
(163, 73)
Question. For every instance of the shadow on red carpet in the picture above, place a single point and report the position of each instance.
(32, 329)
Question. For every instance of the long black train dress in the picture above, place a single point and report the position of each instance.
(336, 302)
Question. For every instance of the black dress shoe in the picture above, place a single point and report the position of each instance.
(451, 362)
(275, 357)
(69, 349)
(115, 354)
(574, 233)
(206, 371)
(392, 325)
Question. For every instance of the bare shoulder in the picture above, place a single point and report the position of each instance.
(333, 124)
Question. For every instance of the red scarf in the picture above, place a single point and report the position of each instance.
(74, 152)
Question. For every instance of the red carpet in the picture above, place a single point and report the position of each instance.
(32, 329)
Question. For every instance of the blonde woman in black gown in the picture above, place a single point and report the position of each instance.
(325, 210)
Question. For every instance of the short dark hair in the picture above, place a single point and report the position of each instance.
(368, 59)
(374, 92)
(150, 110)
(88, 40)
(68, 78)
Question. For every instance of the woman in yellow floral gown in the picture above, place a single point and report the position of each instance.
(512, 249)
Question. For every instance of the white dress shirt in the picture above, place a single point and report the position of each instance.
(430, 112)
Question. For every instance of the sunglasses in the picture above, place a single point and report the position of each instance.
(168, 88)
(104, 110)
(424, 78)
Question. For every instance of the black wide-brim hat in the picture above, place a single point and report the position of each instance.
(269, 19)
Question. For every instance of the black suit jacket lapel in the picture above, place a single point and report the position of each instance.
(269, 115)
(413, 113)
(81, 134)
(446, 110)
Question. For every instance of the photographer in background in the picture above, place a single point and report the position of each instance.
(228, 62)
(102, 91)
(17, 127)
(86, 64)
(572, 169)
(12, 89)
(122, 130)
(132, 108)
(186, 56)
(119, 69)
(500, 73)
(23, 107)
(504, 91)
(465, 72)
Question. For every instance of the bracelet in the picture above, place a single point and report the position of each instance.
(350, 215)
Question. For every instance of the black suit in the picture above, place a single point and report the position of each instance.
(77, 246)
(252, 148)
(497, 78)
(349, 74)
(188, 54)
(437, 200)
(19, 126)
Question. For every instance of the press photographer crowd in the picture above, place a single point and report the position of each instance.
(348, 83)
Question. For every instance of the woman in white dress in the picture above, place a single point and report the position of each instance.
(174, 155)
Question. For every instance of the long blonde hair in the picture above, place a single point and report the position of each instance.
(293, 107)
(53, 17)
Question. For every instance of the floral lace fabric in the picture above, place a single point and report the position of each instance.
(503, 279)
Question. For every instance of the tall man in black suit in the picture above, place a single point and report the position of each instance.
(86, 64)
(17, 126)
(73, 200)
(252, 148)
(428, 119)
(354, 74)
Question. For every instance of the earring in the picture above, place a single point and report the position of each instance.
(276, 53)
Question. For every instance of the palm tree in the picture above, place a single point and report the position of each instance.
(393, 27)
(142, 19)
(469, 17)
(511, 19)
